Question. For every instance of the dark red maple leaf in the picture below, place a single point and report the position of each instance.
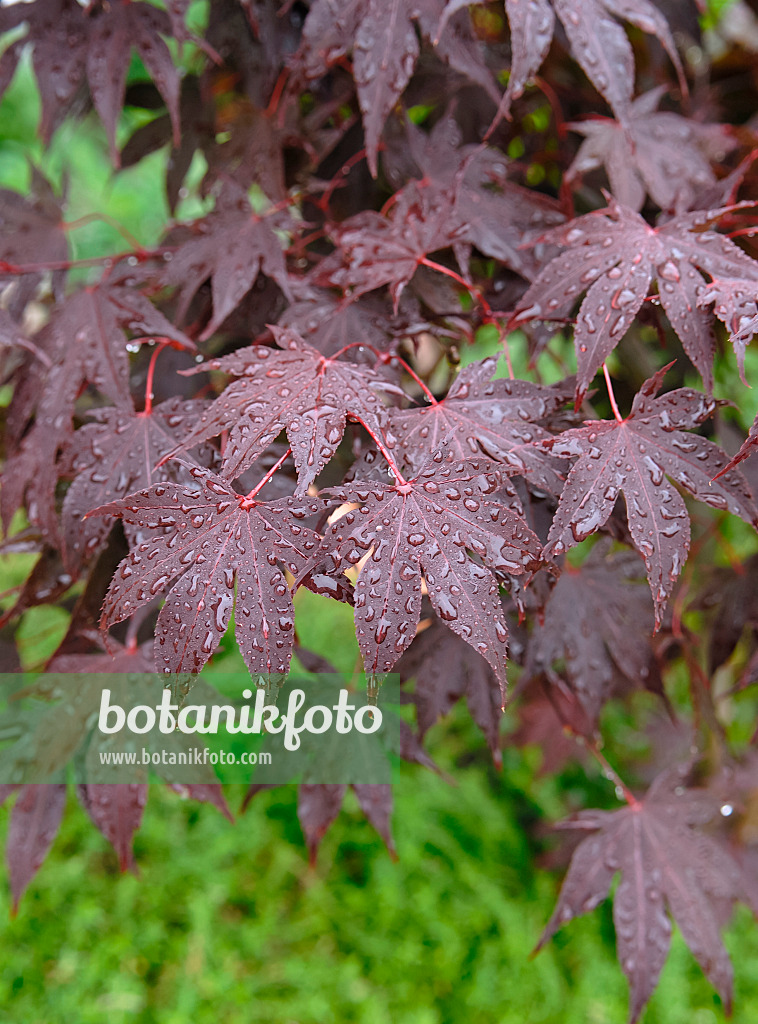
(117, 454)
(666, 864)
(231, 246)
(297, 390)
(385, 48)
(85, 341)
(634, 456)
(201, 541)
(471, 183)
(656, 152)
(597, 623)
(614, 255)
(375, 250)
(430, 526)
(597, 41)
(70, 42)
(498, 417)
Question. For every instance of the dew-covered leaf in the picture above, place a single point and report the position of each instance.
(296, 389)
(479, 415)
(634, 457)
(614, 255)
(213, 549)
(430, 526)
(115, 455)
(669, 868)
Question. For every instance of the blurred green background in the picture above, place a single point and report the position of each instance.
(228, 923)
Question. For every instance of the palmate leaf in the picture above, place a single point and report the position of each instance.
(430, 526)
(655, 152)
(231, 246)
(296, 389)
(597, 622)
(634, 457)
(499, 417)
(614, 255)
(70, 43)
(666, 864)
(384, 42)
(375, 250)
(202, 541)
(596, 38)
(115, 455)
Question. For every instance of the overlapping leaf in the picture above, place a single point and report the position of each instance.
(385, 48)
(597, 623)
(446, 669)
(634, 457)
(668, 866)
(376, 250)
(204, 541)
(231, 247)
(656, 152)
(614, 255)
(596, 38)
(430, 526)
(298, 390)
(115, 455)
(498, 417)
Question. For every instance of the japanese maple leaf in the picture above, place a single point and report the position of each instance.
(375, 250)
(385, 48)
(655, 152)
(489, 211)
(331, 324)
(597, 622)
(666, 864)
(429, 526)
(231, 246)
(114, 456)
(85, 341)
(298, 390)
(634, 456)
(446, 669)
(614, 255)
(735, 303)
(497, 417)
(202, 542)
(70, 43)
(596, 39)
